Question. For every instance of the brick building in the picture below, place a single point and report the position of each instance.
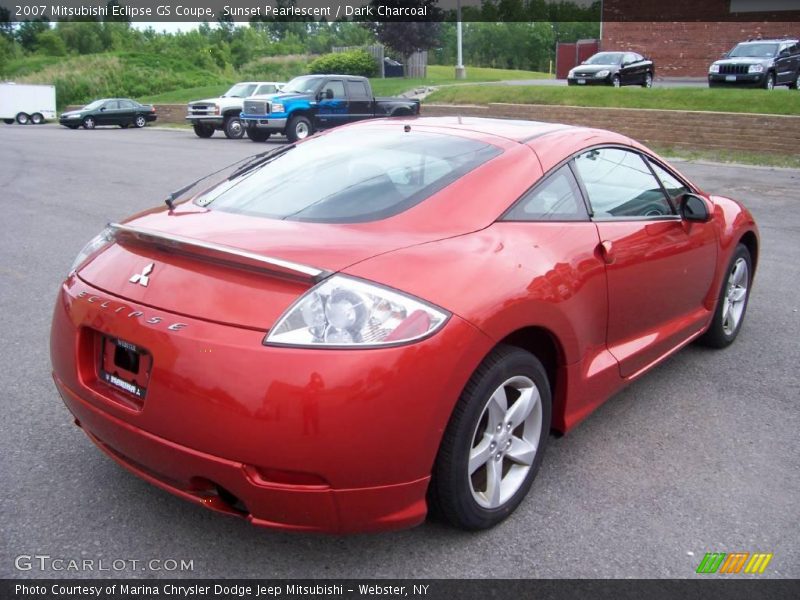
(683, 48)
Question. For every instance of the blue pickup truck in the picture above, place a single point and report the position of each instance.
(313, 102)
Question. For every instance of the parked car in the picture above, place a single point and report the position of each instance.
(759, 63)
(614, 68)
(110, 111)
(27, 103)
(313, 102)
(222, 113)
(391, 315)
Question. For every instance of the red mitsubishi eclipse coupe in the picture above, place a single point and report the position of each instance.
(391, 316)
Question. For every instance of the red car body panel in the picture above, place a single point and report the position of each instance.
(342, 440)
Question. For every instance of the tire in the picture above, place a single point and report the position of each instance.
(203, 131)
(795, 85)
(8, 121)
(139, 121)
(256, 135)
(233, 128)
(299, 128)
(466, 499)
(648, 80)
(732, 303)
(616, 81)
(23, 118)
(769, 82)
(89, 123)
(37, 118)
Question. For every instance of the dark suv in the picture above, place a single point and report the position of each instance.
(760, 63)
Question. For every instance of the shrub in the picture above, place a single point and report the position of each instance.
(352, 62)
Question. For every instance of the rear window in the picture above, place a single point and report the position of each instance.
(350, 176)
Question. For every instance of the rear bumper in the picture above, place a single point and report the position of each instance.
(204, 479)
(313, 440)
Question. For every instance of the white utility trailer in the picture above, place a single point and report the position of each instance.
(26, 103)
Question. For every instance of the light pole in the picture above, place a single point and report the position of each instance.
(461, 71)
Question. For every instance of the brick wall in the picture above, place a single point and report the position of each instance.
(687, 49)
(666, 128)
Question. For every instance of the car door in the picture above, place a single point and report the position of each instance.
(785, 63)
(628, 72)
(333, 105)
(659, 268)
(106, 114)
(126, 112)
(360, 98)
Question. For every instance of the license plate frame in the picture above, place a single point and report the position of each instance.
(125, 366)
(730, 77)
(581, 81)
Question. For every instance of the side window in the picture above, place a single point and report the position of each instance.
(620, 185)
(126, 104)
(674, 186)
(111, 105)
(266, 89)
(357, 89)
(557, 198)
(337, 87)
(629, 58)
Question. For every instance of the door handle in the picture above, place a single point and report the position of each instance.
(606, 249)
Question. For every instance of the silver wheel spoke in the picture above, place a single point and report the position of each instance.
(738, 294)
(480, 454)
(494, 474)
(521, 451)
(522, 407)
(498, 405)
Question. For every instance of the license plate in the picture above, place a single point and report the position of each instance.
(730, 77)
(125, 366)
(581, 82)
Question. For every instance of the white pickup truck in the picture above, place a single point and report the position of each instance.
(27, 103)
(207, 116)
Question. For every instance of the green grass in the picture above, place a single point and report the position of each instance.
(760, 159)
(185, 95)
(445, 75)
(778, 102)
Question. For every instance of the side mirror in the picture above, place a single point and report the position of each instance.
(102, 108)
(694, 209)
(329, 94)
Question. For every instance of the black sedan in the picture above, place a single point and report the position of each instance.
(614, 68)
(109, 111)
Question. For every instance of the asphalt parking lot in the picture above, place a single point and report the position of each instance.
(700, 455)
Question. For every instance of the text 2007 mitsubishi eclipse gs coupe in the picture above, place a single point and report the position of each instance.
(391, 317)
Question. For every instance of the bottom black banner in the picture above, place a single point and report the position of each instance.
(430, 589)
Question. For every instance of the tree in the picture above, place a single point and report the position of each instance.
(406, 37)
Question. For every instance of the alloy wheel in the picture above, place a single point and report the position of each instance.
(735, 296)
(505, 442)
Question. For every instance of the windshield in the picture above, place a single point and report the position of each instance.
(350, 176)
(301, 85)
(94, 105)
(754, 51)
(605, 58)
(240, 90)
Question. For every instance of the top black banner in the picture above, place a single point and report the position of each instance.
(243, 11)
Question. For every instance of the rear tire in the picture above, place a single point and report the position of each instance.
(23, 118)
(203, 131)
(233, 128)
(37, 118)
(139, 121)
(732, 303)
(299, 128)
(795, 85)
(494, 443)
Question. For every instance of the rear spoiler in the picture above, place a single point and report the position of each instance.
(218, 253)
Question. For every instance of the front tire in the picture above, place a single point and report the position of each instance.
(769, 82)
(8, 121)
(139, 121)
(89, 123)
(203, 131)
(648, 80)
(299, 128)
(256, 135)
(233, 128)
(23, 118)
(495, 441)
(732, 302)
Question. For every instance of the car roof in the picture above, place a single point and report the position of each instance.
(769, 41)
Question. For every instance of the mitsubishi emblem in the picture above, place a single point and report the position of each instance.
(142, 278)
